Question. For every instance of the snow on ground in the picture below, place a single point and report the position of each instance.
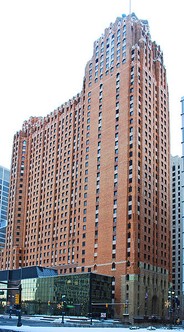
(94, 328)
(79, 329)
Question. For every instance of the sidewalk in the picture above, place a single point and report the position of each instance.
(70, 324)
(71, 329)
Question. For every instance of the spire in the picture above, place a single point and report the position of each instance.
(130, 9)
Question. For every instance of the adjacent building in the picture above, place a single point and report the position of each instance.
(177, 227)
(90, 182)
(182, 205)
(45, 292)
(2, 237)
(4, 191)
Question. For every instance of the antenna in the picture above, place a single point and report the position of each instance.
(130, 10)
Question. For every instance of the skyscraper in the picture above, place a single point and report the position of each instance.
(4, 190)
(176, 227)
(182, 204)
(90, 182)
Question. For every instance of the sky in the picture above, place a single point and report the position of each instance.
(45, 45)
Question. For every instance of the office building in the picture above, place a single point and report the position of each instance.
(182, 205)
(2, 237)
(176, 226)
(90, 182)
(4, 190)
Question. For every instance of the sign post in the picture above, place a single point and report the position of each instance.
(17, 299)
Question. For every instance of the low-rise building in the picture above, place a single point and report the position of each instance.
(45, 292)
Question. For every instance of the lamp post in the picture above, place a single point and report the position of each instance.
(177, 302)
(173, 304)
(19, 321)
(39, 302)
(64, 305)
(146, 303)
(170, 304)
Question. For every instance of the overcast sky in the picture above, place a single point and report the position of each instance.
(45, 45)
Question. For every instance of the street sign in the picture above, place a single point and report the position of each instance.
(103, 315)
(17, 299)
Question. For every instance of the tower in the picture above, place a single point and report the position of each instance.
(4, 190)
(182, 191)
(90, 181)
(176, 232)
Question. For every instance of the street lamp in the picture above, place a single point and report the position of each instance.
(64, 305)
(19, 321)
(173, 305)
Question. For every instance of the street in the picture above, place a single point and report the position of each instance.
(26, 321)
(30, 323)
(49, 324)
(46, 323)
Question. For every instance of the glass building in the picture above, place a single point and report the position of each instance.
(2, 237)
(4, 190)
(44, 292)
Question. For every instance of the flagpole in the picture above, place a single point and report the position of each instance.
(130, 10)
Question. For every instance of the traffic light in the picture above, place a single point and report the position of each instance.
(64, 302)
(49, 303)
(106, 305)
(17, 299)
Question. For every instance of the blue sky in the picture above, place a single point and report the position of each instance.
(46, 44)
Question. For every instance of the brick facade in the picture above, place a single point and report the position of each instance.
(89, 186)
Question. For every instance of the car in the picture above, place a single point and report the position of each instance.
(151, 328)
(134, 327)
